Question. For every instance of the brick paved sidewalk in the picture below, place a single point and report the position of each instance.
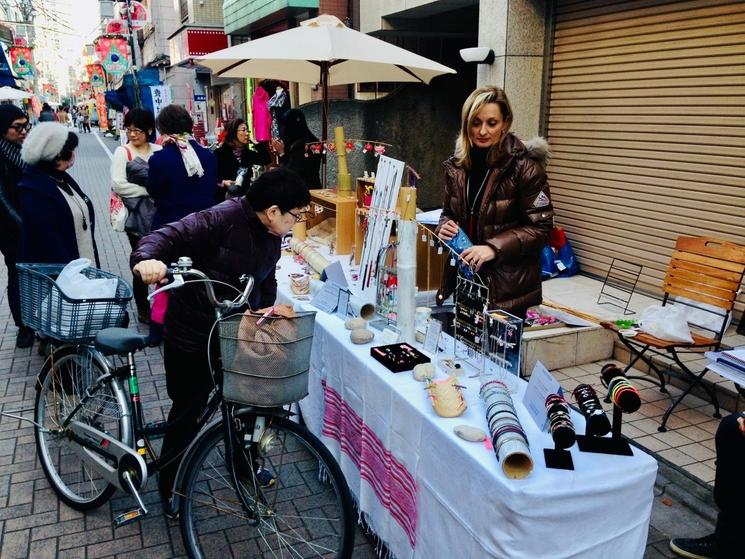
(33, 523)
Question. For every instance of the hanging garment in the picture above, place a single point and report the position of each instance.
(279, 104)
(262, 119)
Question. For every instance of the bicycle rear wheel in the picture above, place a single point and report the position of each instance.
(307, 512)
(62, 383)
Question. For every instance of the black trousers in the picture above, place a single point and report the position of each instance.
(139, 289)
(189, 383)
(729, 488)
(14, 294)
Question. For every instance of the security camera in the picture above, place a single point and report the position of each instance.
(478, 55)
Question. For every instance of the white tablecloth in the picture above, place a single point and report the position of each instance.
(429, 494)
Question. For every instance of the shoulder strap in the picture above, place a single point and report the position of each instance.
(129, 153)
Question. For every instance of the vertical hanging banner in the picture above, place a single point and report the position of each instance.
(21, 59)
(103, 121)
(96, 77)
(161, 95)
(113, 52)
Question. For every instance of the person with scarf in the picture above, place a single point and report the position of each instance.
(235, 157)
(182, 177)
(497, 193)
(14, 127)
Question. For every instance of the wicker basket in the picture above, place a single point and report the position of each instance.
(46, 309)
(266, 365)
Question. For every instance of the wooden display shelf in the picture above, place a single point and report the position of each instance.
(340, 207)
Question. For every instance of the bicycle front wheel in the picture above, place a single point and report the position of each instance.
(62, 385)
(304, 511)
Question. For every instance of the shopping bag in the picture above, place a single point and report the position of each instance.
(566, 262)
(117, 212)
(548, 267)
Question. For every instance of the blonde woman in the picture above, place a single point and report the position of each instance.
(129, 175)
(496, 192)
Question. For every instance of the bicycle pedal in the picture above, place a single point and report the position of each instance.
(128, 517)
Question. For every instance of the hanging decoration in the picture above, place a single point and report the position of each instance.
(96, 77)
(138, 14)
(22, 61)
(116, 27)
(113, 52)
(351, 145)
(103, 121)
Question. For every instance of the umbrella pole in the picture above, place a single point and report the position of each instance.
(324, 117)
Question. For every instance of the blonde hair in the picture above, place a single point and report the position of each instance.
(473, 104)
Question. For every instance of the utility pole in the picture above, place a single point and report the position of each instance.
(136, 86)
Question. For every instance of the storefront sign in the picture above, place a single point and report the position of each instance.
(161, 97)
(138, 13)
(198, 97)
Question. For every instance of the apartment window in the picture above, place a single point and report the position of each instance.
(184, 7)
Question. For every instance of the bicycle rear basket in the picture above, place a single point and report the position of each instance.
(46, 309)
(266, 365)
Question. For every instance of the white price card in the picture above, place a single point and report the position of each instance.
(541, 384)
(432, 338)
(327, 298)
(343, 306)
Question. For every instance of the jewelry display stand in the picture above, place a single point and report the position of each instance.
(558, 459)
(471, 297)
(619, 284)
(615, 444)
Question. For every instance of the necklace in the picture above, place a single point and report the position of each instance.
(468, 190)
(71, 193)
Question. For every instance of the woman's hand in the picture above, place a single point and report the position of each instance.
(226, 184)
(478, 255)
(150, 271)
(449, 230)
(278, 146)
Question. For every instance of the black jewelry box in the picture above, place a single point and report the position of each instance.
(398, 357)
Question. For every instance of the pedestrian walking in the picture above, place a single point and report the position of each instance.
(182, 179)
(47, 114)
(86, 121)
(14, 127)
(129, 175)
(235, 159)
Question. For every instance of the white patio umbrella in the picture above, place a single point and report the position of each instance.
(12, 94)
(323, 50)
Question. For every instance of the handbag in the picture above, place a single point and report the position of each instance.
(141, 210)
(118, 213)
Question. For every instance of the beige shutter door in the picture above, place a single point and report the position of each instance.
(646, 119)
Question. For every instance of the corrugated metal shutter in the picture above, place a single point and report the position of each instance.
(647, 125)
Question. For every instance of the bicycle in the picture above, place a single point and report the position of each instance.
(92, 439)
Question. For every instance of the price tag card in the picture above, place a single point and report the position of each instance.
(541, 384)
(327, 298)
(432, 338)
(343, 306)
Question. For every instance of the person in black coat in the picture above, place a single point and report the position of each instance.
(57, 219)
(236, 156)
(293, 152)
(14, 127)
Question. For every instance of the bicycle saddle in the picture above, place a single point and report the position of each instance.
(119, 341)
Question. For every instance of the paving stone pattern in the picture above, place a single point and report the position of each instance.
(33, 523)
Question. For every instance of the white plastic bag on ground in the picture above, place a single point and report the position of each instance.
(666, 323)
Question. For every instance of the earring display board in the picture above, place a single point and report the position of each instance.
(503, 334)
(471, 298)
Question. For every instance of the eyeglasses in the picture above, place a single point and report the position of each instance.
(299, 217)
(21, 127)
(135, 131)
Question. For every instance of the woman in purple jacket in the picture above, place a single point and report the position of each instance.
(239, 236)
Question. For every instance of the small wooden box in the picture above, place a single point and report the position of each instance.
(340, 207)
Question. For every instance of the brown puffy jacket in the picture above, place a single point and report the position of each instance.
(515, 219)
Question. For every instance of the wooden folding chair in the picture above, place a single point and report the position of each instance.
(702, 271)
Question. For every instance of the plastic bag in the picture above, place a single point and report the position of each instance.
(75, 285)
(548, 267)
(117, 212)
(566, 262)
(666, 323)
(703, 315)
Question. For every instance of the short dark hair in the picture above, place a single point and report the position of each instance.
(140, 118)
(231, 130)
(281, 187)
(71, 143)
(174, 119)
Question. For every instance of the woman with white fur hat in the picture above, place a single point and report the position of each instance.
(57, 217)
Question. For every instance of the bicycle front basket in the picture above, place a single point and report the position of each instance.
(46, 309)
(266, 365)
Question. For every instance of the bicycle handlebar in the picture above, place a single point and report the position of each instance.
(178, 270)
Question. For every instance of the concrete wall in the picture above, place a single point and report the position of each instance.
(420, 121)
(516, 31)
